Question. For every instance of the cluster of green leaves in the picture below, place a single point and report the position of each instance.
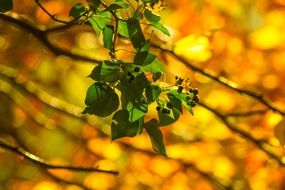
(122, 88)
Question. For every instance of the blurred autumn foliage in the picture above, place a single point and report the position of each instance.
(232, 51)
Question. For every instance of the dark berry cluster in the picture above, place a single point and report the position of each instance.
(192, 98)
(192, 93)
(165, 108)
(161, 6)
(133, 73)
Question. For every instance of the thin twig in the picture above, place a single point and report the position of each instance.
(53, 17)
(221, 80)
(60, 108)
(259, 143)
(45, 164)
(246, 114)
(42, 36)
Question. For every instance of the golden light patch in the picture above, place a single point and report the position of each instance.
(46, 185)
(193, 47)
(267, 37)
(223, 168)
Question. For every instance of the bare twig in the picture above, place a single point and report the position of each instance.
(259, 143)
(53, 17)
(221, 80)
(45, 164)
(42, 36)
(65, 110)
(246, 114)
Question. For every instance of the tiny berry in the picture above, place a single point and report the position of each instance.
(176, 77)
(136, 69)
(196, 99)
(193, 104)
(180, 88)
(129, 73)
(168, 112)
(158, 108)
(187, 98)
(179, 81)
(195, 91)
(164, 110)
(169, 105)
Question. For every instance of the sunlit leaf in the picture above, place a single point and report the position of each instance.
(152, 93)
(156, 137)
(101, 100)
(144, 58)
(99, 21)
(160, 27)
(77, 10)
(122, 127)
(135, 32)
(150, 16)
(123, 28)
(136, 110)
(106, 71)
(108, 36)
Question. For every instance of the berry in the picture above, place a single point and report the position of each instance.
(158, 108)
(136, 69)
(132, 77)
(187, 98)
(196, 98)
(176, 77)
(169, 105)
(193, 104)
(179, 81)
(195, 91)
(129, 73)
(180, 88)
(168, 112)
(164, 110)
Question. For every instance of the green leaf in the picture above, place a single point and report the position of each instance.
(101, 100)
(183, 97)
(165, 119)
(152, 92)
(6, 5)
(154, 67)
(99, 21)
(114, 7)
(122, 127)
(133, 90)
(150, 16)
(108, 36)
(135, 32)
(156, 137)
(94, 4)
(122, 3)
(136, 110)
(160, 27)
(144, 58)
(123, 28)
(106, 71)
(77, 10)
(156, 76)
(176, 102)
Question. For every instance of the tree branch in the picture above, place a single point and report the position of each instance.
(260, 144)
(42, 36)
(221, 80)
(65, 110)
(45, 164)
